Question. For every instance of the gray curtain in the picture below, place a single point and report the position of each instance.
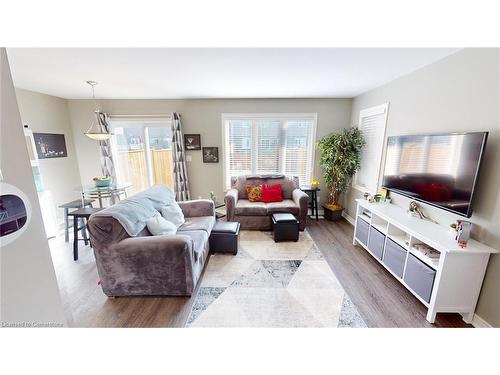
(107, 164)
(181, 182)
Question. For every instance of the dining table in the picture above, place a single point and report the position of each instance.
(113, 192)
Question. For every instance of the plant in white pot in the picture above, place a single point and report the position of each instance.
(340, 159)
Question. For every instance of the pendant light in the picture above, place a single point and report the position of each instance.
(97, 131)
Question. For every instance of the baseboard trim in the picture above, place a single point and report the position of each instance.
(479, 322)
(349, 218)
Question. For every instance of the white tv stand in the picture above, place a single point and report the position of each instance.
(450, 283)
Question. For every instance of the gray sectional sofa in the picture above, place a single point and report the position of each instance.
(152, 265)
(257, 215)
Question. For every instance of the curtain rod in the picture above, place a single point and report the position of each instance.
(149, 115)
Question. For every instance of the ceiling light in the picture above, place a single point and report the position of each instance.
(98, 130)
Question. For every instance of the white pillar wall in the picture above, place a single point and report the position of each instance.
(29, 291)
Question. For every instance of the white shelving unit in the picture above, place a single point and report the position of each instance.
(434, 264)
(450, 283)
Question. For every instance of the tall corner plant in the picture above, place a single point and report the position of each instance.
(340, 159)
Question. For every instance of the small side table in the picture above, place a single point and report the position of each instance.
(313, 201)
(82, 214)
(219, 215)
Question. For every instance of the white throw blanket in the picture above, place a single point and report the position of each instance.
(132, 213)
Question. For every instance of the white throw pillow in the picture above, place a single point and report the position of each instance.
(158, 226)
(173, 213)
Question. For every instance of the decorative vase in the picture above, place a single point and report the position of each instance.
(452, 232)
(213, 197)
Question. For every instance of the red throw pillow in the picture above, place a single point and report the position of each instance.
(271, 193)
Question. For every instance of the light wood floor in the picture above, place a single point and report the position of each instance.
(381, 300)
(87, 306)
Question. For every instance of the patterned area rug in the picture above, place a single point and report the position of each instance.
(269, 284)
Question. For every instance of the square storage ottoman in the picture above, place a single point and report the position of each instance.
(285, 227)
(224, 237)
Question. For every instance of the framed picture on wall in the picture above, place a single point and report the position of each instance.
(210, 154)
(192, 142)
(50, 146)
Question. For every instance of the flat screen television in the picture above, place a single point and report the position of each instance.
(437, 169)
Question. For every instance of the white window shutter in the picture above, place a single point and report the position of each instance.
(298, 149)
(372, 124)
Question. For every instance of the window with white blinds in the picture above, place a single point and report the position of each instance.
(268, 148)
(372, 123)
(266, 144)
(239, 136)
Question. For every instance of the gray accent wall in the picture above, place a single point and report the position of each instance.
(49, 114)
(458, 93)
(202, 116)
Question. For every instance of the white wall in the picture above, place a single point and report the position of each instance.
(202, 116)
(29, 291)
(49, 114)
(458, 93)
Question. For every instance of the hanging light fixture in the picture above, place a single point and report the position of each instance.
(98, 130)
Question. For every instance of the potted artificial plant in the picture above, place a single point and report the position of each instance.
(340, 159)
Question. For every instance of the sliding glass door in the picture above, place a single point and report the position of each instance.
(142, 151)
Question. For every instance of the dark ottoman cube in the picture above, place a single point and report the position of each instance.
(224, 237)
(285, 227)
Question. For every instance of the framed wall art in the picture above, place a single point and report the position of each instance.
(210, 154)
(50, 146)
(192, 142)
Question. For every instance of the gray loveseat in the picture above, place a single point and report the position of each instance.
(257, 215)
(152, 265)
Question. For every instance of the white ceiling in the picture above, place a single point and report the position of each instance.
(136, 73)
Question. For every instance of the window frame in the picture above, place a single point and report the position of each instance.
(311, 152)
(144, 123)
(367, 112)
